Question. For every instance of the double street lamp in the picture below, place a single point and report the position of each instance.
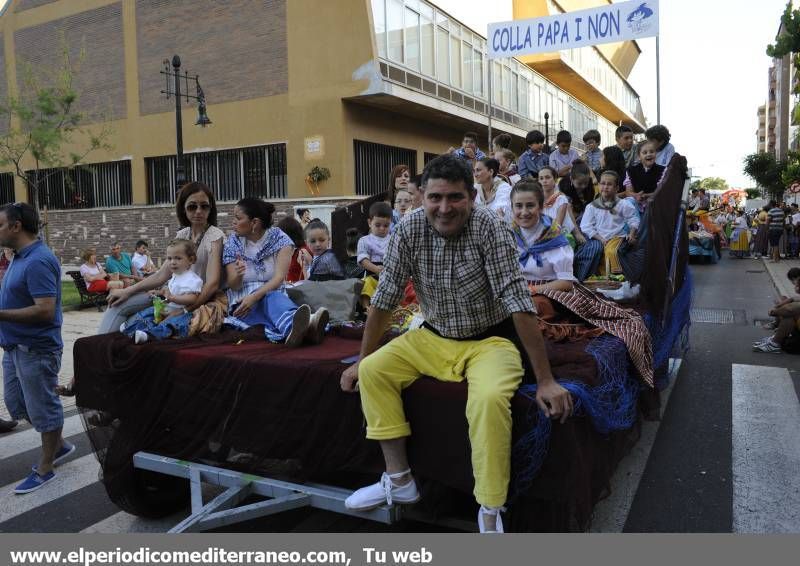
(177, 77)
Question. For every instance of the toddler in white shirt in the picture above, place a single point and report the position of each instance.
(181, 291)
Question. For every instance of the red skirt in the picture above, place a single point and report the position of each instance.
(97, 286)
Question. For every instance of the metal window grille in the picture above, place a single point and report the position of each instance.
(83, 186)
(6, 188)
(430, 157)
(374, 162)
(231, 173)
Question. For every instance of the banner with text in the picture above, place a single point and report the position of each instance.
(622, 21)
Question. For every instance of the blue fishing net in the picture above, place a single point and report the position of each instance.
(612, 404)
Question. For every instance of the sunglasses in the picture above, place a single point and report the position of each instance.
(191, 207)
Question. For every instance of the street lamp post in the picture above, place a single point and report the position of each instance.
(202, 117)
(546, 130)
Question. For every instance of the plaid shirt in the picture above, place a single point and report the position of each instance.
(465, 285)
(463, 155)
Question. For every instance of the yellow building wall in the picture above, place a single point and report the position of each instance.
(327, 42)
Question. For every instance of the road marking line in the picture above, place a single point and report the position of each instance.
(766, 450)
(70, 477)
(16, 443)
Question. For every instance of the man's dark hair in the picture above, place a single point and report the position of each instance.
(592, 135)
(23, 213)
(449, 168)
(141, 243)
(793, 273)
(772, 204)
(563, 137)
(381, 210)
(622, 130)
(534, 136)
(472, 136)
(416, 180)
(301, 212)
(659, 133)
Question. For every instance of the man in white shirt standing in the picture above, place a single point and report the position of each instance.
(605, 223)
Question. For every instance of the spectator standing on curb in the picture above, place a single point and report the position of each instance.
(776, 220)
(30, 334)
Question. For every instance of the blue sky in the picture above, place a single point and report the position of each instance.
(713, 74)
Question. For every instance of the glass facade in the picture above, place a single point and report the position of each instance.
(416, 35)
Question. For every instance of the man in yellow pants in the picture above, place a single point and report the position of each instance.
(465, 268)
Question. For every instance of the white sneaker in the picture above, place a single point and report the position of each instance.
(492, 511)
(300, 321)
(768, 347)
(383, 492)
(759, 342)
(140, 337)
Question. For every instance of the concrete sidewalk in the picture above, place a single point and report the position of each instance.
(777, 272)
(77, 324)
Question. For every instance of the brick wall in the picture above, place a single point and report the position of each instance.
(101, 76)
(69, 232)
(23, 5)
(238, 48)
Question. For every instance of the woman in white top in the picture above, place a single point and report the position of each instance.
(493, 192)
(256, 258)
(95, 277)
(545, 254)
(196, 210)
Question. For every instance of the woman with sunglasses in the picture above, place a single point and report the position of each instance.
(196, 209)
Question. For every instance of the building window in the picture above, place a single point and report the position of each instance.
(442, 55)
(412, 43)
(455, 61)
(231, 173)
(395, 26)
(427, 51)
(430, 157)
(379, 17)
(7, 188)
(374, 162)
(83, 186)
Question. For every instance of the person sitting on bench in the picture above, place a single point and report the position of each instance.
(465, 268)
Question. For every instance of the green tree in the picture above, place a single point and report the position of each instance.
(754, 193)
(789, 40)
(767, 172)
(43, 126)
(711, 184)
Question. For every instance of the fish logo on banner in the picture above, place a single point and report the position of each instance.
(640, 19)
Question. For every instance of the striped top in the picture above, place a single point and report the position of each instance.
(776, 218)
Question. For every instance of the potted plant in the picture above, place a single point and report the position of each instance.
(316, 176)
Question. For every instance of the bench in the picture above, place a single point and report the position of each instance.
(87, 298)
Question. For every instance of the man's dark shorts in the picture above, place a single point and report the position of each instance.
(775, 237)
